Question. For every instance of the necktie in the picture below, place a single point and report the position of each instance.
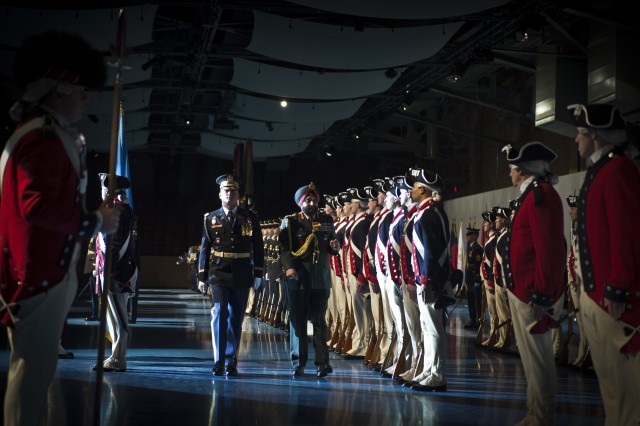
(230, 217)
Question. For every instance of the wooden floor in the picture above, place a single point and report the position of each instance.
(169, 380)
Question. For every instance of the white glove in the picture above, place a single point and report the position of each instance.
(202, 287)
(257, 283)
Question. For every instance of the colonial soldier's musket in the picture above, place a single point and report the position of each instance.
(117, 93)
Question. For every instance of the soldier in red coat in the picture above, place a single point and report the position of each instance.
(533, 269)
(43, 219)
(608, 259)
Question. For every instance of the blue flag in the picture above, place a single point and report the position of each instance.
(122, 159)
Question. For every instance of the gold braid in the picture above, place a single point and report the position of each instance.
(311, 239)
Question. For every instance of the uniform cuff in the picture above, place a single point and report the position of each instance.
(616, 294)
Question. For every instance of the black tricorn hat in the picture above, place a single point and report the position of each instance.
(597, 116)
(342, 198)
(61, 56)
(371, 192)
(356, 194)
(531, 151)
(430, 179)
(122, 182)
(514, 204)
(489, 216)
(329, 200)
(502, 212)
(381, 185)
(572, 200)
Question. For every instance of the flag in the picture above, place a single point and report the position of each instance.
(454, 246)
(248, 169)
(122, 158)
(462, 251)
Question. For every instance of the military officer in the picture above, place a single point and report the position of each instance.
(231, 261)
(534, 273)
(489, 289)
(503, 312)
(307, 239)
(473, 279)
(608, 259)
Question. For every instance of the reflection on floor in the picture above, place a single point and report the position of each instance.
(169, 381)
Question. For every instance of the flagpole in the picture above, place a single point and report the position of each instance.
(106, 281)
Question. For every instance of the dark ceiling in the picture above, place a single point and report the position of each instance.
(208, 75)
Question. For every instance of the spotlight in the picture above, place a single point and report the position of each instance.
(283, 103)
(391, 73)
(328, 153)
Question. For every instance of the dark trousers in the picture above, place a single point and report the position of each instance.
(227, 314)
(305, 304)
(95, 304)
(474, 299)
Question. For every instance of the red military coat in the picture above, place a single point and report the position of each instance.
(537, 250)
(41, 213)
(612, 239)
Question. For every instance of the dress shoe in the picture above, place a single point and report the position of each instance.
(66, 355)
(377, 368)
(92, 318)
(298, 371)
(232, 371)
(218, 368)
(110, 365)
(349, 356)
(324, 369)
(425, 388)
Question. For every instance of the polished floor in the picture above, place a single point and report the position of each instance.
(169, 382)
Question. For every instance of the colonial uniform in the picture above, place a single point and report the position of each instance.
(358, 285)
(386, 217)
(533, 274)
(404, 349)
(431, 265)
(43, 219)
(503, 312)
(305, 247)
(124, 277)
(608, 261)
(231, 259)
(488, 279)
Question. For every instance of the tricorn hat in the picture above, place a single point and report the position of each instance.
(502, 212)
(121, 183)
(424, 177)
(59, 56)
(370, 192)
(597, 116)
(304, 191)
(531, 151)
(342, 198)
(356, 194)
(489, 216)
(572, 201)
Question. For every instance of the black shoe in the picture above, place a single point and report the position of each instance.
(232, 371)
(298, 371)
(92, 318)
(218, 368)
(347, 356)
(324, 369)
(66, 355)
(423, 388)
(376, 368)
(132, 321)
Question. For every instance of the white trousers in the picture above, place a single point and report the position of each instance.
(536, 352)
(387, 320)
(34, 351)
(434, 340)
(618, 374)
(361, 311)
